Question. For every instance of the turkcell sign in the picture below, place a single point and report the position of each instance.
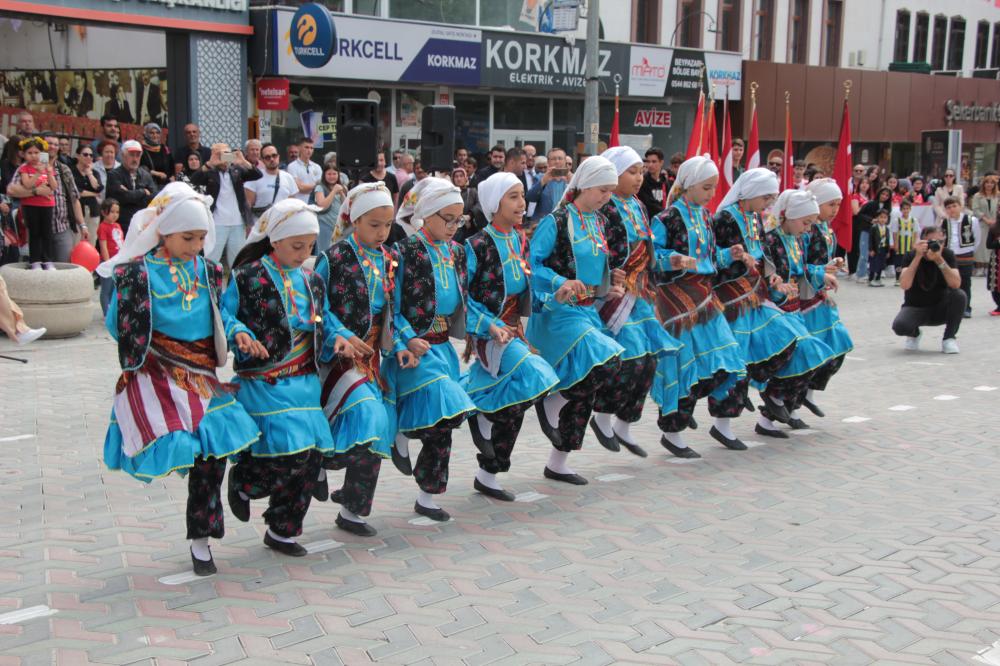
(379, 50)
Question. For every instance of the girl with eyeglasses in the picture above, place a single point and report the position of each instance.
(950, 188)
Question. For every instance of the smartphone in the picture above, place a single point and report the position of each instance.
(44, 158)
(559, 172)
(228, 157)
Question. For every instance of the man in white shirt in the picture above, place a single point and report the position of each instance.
(224, 177)
(306, 173)
(276, 185)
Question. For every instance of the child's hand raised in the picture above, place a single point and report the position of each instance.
(250, 347)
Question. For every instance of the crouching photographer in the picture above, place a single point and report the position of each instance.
(932, 296)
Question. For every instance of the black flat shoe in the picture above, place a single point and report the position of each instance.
(484, 445)
(291, 549)
(798, 424)
(813, 407)
(767, 432)
(610, 443)
(572, 479)
(692, 424)
(686, 452)
(239, 506)
(496, 493)
(337, 496)
(775, 411)
(634, 449)
(402, 462)
(732, 444)
(321, 490)
(748, 403)
(357, 529)
(439, 515)
(547, 429)
(203, 567)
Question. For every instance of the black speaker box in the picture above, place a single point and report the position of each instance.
(437, 137)
(357, 134)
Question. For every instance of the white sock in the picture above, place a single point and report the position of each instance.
(351, 516)
(604, 423)
(622, 429)
(322, 475)
(487, 479)
(676, 438)
(722, 425)
(199, 547)
(553, 404)
(766, 423)
(811, 396)
(280, 538)
(403, 445)
(557, 462)
(485, 425)
(793, 414)
(426, 500)
(243, 496)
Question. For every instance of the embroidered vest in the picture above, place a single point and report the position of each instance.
(347, 293)
(562, 260)
(135, 314)
(261, 310)
(488, 286)
(616, 235)
(419, 299)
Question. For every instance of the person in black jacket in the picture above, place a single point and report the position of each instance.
(879, 245)
(130, 184)
(223, 181)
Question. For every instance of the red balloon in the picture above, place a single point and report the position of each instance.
(86, 255)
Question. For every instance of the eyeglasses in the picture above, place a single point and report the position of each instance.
(86, 154)
(272, 156)
(449, 223)
(859, 171)
(774, 164)
(949, 175)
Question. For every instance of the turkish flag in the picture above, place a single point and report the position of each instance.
(841, 224)
(726, 168)
(788, 170)
(695, 141)
(753, 142)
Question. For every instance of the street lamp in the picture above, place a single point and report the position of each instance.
(712, 26)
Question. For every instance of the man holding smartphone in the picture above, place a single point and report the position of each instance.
(932, 296)
(223, 177)
(548, 191)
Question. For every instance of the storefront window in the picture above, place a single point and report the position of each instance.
(461, 12)
(321, 102)
(521, 113)
(410, 105)
(368, 7)
(508, 13)
(472, 123)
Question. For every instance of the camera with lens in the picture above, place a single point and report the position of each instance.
(933, 246)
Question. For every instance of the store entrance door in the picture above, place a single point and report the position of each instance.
(540, 139)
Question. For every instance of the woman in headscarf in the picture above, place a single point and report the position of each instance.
(569, 273)
(155, 154)
(170, 412)
(506, 378)
(631, 319)
(767, 338)
(422, 380)
(359, 274)
(689, 308)
(472, 215)
(279, 309)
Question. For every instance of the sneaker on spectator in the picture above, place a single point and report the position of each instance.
(36, 265)
(912, 343)
(49, 266)
(32, 334)
(949, 346)
(995, 313)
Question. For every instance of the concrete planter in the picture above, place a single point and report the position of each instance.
(59, 300)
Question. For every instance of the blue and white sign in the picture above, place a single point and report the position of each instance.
(312, 36)
(378, 50)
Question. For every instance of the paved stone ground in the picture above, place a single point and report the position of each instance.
(873, 538)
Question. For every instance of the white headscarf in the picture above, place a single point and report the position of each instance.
(175, 209)
(492, 190)
(360, 200)
(623, 157)
(795, 204)
(595, 171)
(695, 170)
(426, 198)
(825, 189)
(752, 183)
(289, 217)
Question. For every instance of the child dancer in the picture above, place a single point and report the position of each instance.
(358, 273)
(819, 310)
(428, 307)
(688, 307)
(631, 319)
(171, 414)
(507, 378)
(767, 338)
(279, 330)
(569, 272)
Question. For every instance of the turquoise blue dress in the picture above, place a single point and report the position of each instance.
(711, 343)
(430, 392)
(365, 419)
(824, 321)
(288, 411)
(569, 337)
(226, 428)
(523, 376)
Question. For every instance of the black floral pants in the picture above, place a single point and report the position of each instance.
(626, 393)
(681, 419)
(734, 403)
(790, 390)
(360, 479)
(431, 470)
(204, 505)
(286, 480)
(575, 414)
(506, 427)
(823, 375)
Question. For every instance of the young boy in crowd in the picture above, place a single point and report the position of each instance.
(880, 242)
(109, 239)
(905, 232)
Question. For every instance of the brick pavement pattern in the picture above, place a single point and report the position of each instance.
(868, 540)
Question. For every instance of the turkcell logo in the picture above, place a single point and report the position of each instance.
(312, 35)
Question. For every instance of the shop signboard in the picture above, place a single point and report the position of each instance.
(222, 15)
(377, 50)
(272, 94)
(681, 73)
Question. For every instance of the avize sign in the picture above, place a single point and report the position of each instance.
(652, 118)
(546, 64)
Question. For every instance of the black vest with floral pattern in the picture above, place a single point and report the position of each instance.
(347, 292)
(488, 286)
(418, 304)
